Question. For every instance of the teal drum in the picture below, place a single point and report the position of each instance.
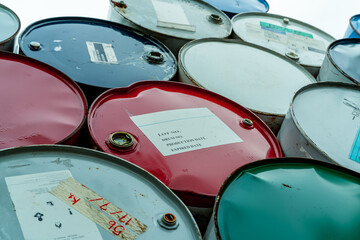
(9, 28)
(288, 198)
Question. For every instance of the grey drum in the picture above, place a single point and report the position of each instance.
(323, 123)
(253, 76)
(9, 28)
(299, 41)
(342, 61)
(63, 192)
(174, 22)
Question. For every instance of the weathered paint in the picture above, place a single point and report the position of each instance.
(10, 26)
(353, 30)
(186, 21)
(294, 199)
(119, 183)
(254, 77)
(301, 42)
(70, 44)
(39, 104)
(341, 63)
(322, 123)
(233, 7)
(197, 173)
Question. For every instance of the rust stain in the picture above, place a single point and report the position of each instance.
(285, 185)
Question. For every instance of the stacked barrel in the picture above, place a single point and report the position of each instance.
(177, 120)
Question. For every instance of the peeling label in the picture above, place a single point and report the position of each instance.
(98, 209)
(184, 130)
(101, 53)
(355, 149)
(291, 38)
(43, 216)
(171, 15)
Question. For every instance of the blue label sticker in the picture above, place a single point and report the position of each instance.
(355, 149)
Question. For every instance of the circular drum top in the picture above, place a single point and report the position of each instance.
(39, 104)
(96, 52)
(9, 23)
(188, 137)
(176, 18)
(252, 76)
(289, 199)
(105, 197)
(328, 115)
(284, 35)
(232, 7)
(345, 55)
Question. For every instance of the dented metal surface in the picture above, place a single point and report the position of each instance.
(284, 35)
(295, 199)
(353, 30)
(98, 54)
(181, 134)
(341, 63)
(116, 188)
(323, 123)
(254, 77)
(10, 26)
(172, 22)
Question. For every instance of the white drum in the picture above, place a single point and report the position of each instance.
(301, 42)
(323, 123)
(174, 22)
(255, 77)
(342, 62)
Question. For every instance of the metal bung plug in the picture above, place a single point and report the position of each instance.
(154, 57)
(292, 56)
(34, 45)
(121, 140)
(247, 123)
(168, 221)
(286, 20)
(214, 18)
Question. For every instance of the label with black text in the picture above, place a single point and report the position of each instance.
(184, 130)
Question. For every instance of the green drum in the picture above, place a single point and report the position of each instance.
(288, 198)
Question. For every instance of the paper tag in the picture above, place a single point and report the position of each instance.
(101, 53)
(355, 149)
(286, 36)
(41, 215)
(98, 209)
(172, 15)
(184, 130)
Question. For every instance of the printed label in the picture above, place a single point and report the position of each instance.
(101, 53)
(286, 36)
(171, 15)
(41, 215)
(98, 209)
(184, 130)
(355, 149)
(282, 30)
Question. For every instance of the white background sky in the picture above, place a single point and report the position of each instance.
(332, 16)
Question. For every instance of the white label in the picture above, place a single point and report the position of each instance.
(184, 130)
(101, 53)
(171, 15)
(42, 215)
